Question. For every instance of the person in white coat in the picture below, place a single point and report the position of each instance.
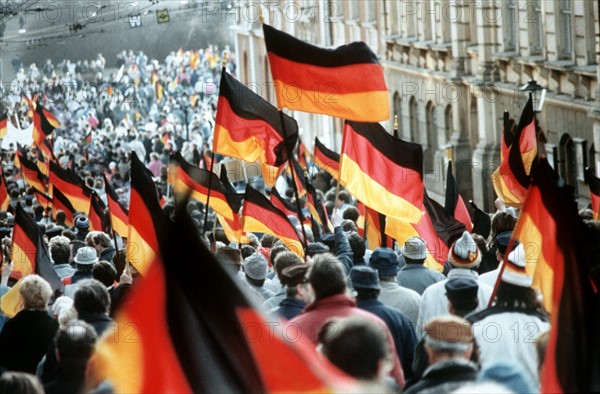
(464, 256)
(508, 331)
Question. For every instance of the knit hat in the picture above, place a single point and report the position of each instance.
(515, 273)
(385, 261)
(255, 266)
(464, 252)
(502, 241)
(82, 223)
(414, 248)
(86, 255)
(461, 292)
(449, 332)
(315, 248)
(364, 277)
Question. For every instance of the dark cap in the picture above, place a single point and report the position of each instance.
(364, 277)
(502, 240)
(294, 275)
(316, 248)
(385, 261)
(461, 289)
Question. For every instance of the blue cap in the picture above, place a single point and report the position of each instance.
(364, 277)
(385, 261)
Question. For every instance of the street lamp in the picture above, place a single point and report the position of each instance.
(537, 93)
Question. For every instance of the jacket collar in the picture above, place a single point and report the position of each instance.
(337, 300)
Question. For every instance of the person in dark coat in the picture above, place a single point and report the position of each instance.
(296, 285)
(92, 303)
(25, 338)
(449, 344)
(103, 244)
(365, 282)
(74, 346)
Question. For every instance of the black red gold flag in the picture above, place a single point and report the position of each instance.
(72, 186)
(60, 202)
(346, 82)
(119, 215)
(326, 159)
(454, 204)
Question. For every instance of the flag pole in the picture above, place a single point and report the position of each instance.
(294, 176)
(504, 263)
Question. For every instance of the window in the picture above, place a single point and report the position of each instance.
(510, 24)
(414, 123)
(567, 163)
(429, 154)
(564, 32)
(397, 110)
(448, 120)
(535, 30)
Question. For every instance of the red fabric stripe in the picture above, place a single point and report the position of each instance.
(462, 214)
(277, 224)
(141, 220)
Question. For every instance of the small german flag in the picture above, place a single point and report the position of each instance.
(259, 215)
(383, 172)
(346, 82)
(60, 202)
(594, 184)
(247, 127)
(511, 179)
(454, 203)
(119, 215)
(145, 218)
(44, 199)
(327, 160)
(72, 186)
(31, 173)
(282, 204)
(44, 124)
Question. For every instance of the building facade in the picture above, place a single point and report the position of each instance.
(452, 68)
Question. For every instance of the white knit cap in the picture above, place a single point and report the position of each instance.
(515, 273)
(464, 253)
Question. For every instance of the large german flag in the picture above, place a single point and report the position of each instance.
(72, 186)
(60, 202)
(249, 128)
(29, 255)
(260, 216)
(119, 215)
(201, 334)
(511, 179)
(327, 159)
(556, 244)
(4, 197)
(99, 220)
(346, 82)
(594, 184)
(187, 179)
(44, 124)
(383, 172)
(454, 203)
(145, 218)
(44, 199)
(31, 173)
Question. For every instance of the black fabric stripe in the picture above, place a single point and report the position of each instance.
(143, 185)
(289, 47)
(451, 191)
(326, 151)
(515, 158)
(255, 197)
(507, 133)
(62, 199)
(202, 300)
(46, 127)
(403, 153)
(288, 205)
(593, 182)
(446, 226)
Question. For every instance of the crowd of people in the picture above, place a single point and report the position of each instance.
(379, 314)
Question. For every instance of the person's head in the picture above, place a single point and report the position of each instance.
(365, 281)
(229, 257)
(255, 268)
(358, 347)
(20, 383)
(104, 272)
(60, 216)
(316, 248)
(247, 251)
(462, 296)
(501, 222)
(60, 250)
(284, 260)
(464, 253)
(276, 250)
(448, 337)
(98, 240)
(501, 242)
(36, 292)
(343, 198)
(357, 244)
(296, 283)
(414, 250)
(515, 289)
(82, 224)
(75, 342)
(268, 240)
(385, 261)
(351, 213)
(85, 258)
(327, 276)
(349, 226)
(91, 296)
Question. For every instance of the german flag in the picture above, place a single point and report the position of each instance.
(99, 220)
(374, 227)
(195, 335)
(594, 184)
(44, 124)
(31, 173)
(249, 128)
(61, 202)
(29, 255)
(383, 172)
(482, 223)
(346, 82)
(119, 215)
(145, 218)
(283, 204)
(187, 179)
(557, 244)
(454, 204)
(46, 150)
(260, 216)
(42, 198)
(511, 179)
(42, 164)
(326, 159)
(159, 91)
(4, 196)
(72, 186)
(303, 155)
(3, 127)
(233, 229)
(317, 211)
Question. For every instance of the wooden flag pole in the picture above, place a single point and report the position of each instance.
(294, 176)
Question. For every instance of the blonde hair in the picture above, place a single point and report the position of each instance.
(36, 292)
